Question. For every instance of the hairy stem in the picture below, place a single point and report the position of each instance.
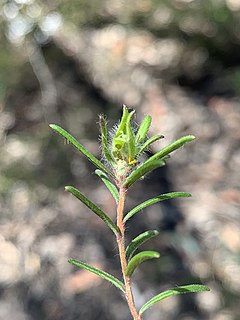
(123, 259)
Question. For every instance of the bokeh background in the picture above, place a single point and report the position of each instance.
(66, 61)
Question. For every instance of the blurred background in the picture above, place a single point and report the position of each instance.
(66, 61)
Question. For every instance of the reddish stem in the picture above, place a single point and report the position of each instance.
(122, 254)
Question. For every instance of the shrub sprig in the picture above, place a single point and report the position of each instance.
(122, 152)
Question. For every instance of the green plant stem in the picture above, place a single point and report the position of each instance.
(122, 254)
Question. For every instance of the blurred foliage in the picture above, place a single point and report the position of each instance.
(208, 30)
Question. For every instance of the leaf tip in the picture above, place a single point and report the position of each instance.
(70, 261)
(188, 195)
(207, 288)
(52, 125)
(192, 137)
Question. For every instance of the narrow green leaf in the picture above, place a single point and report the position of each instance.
(104, 138)
(143, 129)
(178, 290)
(93, 207)
(130, 138)
(99, 272)
(80, 148)
(171, 147)
(111, 187)
(149, 142)
(122, 124)
(139, 258)
(161, 197)
(142, 170)
(138, 241)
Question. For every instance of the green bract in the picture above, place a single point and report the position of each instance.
(119, 171)
(127, 144)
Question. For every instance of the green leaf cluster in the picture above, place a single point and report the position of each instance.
(123, 169)
(122, 152)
